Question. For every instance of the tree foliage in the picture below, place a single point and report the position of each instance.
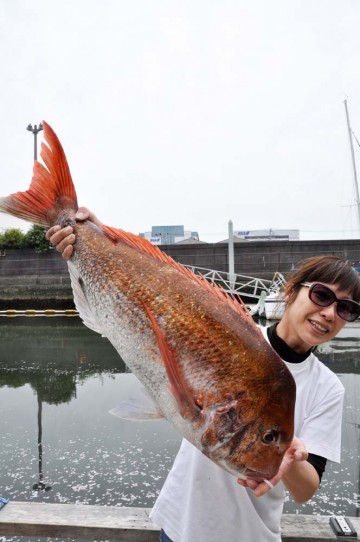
(36, 239)
(15, 239)
(12, 238)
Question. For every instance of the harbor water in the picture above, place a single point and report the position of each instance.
(59, 444)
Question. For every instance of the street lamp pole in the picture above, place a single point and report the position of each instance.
(35, 129)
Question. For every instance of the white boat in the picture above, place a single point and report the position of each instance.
(274, 305)
(271, 305)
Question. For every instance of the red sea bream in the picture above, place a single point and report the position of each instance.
(195, 349)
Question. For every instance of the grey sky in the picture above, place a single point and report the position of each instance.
(189, 112)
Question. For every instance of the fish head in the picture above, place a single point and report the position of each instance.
(246, 446)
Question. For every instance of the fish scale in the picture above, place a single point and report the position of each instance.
(196, 350)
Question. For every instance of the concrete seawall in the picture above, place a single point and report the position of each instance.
(41, 281)
(261, 258)
(34, 281)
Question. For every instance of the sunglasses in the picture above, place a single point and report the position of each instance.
(322, 296)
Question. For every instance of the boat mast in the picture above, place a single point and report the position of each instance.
(353, 161)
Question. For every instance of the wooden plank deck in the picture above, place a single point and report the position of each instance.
(122, 524)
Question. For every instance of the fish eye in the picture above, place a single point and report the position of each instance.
(270, 436)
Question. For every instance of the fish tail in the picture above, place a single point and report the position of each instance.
(51, 188)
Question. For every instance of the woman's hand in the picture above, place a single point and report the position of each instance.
(64, 238)
(300, 478)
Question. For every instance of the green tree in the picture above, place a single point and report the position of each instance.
(12, 238)
(36, 239)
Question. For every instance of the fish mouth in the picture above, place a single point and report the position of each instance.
(257, 476)
(248, 474)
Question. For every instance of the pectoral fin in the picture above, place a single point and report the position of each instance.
(81, 303)
(181, 390)
(139, 410)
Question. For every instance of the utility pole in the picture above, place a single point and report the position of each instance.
(35, 129)
(231, 256)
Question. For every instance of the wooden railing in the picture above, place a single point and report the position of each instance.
(124, 524)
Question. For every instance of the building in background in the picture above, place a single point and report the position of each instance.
(168, 235)
(271, 234)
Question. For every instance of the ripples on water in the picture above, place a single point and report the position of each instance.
(61, 378)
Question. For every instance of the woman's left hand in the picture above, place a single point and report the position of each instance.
(296, 452)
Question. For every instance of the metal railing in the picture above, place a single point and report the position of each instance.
(242, 285)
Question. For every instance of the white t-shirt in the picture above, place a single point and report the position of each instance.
(201, 502)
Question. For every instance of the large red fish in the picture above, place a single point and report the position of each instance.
(195, 349)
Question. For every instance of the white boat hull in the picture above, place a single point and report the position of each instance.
(274, 306)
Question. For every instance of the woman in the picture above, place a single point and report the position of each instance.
(201, 502)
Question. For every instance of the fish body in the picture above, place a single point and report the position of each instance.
(195, 349)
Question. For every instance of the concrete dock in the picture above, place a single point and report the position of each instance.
(123, 524)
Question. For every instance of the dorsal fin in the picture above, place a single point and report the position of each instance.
(145, 246)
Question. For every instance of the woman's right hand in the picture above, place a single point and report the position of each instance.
(64, 238)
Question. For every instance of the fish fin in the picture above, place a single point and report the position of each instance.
(145, 246)
(140, 409)
(81, 303)
(180, 389)
(51, 188)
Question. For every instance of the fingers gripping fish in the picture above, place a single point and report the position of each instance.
(196, 350)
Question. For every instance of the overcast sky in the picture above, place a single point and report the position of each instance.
(189, 112)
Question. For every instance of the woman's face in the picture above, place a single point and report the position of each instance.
(305, 324)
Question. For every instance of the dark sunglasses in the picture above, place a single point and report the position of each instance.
(322, 296)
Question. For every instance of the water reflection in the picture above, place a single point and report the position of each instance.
(40, 484)
(58, 380)
(41, 350)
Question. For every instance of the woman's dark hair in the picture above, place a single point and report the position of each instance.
(328, 269)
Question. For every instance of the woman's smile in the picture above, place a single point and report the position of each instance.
(319, 327)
